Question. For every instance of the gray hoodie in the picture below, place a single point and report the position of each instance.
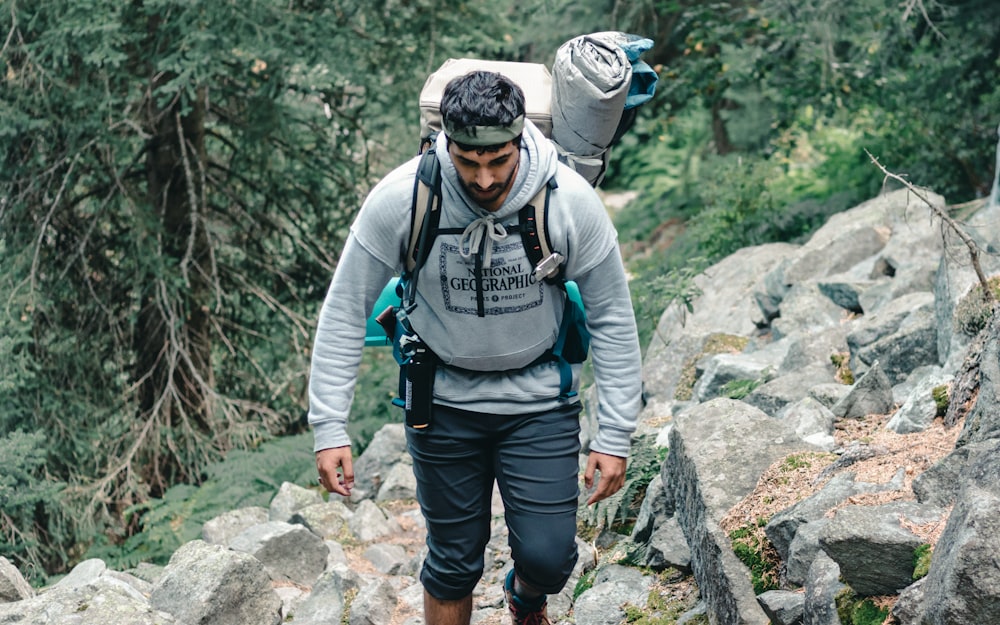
(486, 358)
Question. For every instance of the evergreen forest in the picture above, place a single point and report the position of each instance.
(177, 179)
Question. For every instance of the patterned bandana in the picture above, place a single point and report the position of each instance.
(486, 135)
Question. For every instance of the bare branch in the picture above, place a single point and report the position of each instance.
(973, 247)
(48, 219)
(910, 5)
(13, 29)
(192, 199)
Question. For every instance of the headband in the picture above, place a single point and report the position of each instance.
(480, 136)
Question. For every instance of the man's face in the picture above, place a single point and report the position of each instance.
(486, 176)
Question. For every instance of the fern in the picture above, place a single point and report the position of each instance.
(618, 511)
(243, 479)
(24, 489)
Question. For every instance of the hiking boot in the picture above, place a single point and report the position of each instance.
(520, 613)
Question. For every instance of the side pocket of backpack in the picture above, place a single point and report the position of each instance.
(577, 336)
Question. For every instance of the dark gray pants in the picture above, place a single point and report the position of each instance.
(534, 459)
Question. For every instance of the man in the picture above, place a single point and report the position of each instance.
(498, 415)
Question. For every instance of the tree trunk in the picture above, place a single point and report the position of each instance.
(720, 134)
(173, 342)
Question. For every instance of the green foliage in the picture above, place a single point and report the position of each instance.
(754, 68)
(942, 396)
(620, 509)
(750, 201)
(176, 181)
(661, 609)
(853, 610)
(795, 462)
(738, 209)
(349, 596)
(754, 550)
(842, 361)
(922, 561)
(25, 489)
(717, 343)
(651, 297)
(585, 583)
(738, 389)
(243, 479)
(867, 613)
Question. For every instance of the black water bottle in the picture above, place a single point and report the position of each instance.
(419, 391)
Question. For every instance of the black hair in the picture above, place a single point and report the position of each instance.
(481, 98)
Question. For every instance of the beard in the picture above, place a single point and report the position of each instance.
(486, 198)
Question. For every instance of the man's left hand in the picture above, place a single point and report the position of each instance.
(612, 478)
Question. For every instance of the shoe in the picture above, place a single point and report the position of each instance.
(520, 614)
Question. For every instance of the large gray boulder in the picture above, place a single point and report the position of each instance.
(773, 396)
(228, 525)
(13, 586)
(721, 369)
(614, 587)
(376, 466)
(871, 394)
(370, 522)
(325, 603)
(812, 421)
(912, 344)
(806, 310)
(726, 306)
(291, 498)
(873, 546)
(211, 584)
(327, 520)
(718, 451)
(783, 527)
(983, 422)
(374, 604)
(963, 585)
(783, 607)
(843, 242)
(919, 408)
(102, 601)
(288, 552)
(821, 589)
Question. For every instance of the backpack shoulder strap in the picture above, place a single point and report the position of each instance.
(533, 220)
(425, 214)
(425, 209)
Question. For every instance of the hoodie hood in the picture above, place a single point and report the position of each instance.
(539, 160)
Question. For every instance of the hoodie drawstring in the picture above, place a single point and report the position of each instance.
(478, 239)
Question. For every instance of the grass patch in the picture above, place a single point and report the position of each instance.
(941, 395)
(922, 561)
(738, 389)
(757, 553)
(718, 343)
(854, 610)
(842, 361)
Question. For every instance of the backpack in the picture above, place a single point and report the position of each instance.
(608, 113)
(584, 105)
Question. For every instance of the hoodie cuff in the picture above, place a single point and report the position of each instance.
(612, 441)
(330, 434)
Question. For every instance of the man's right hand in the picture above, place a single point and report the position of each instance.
(336, 471)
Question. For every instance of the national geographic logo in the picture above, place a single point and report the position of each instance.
(508, 283)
